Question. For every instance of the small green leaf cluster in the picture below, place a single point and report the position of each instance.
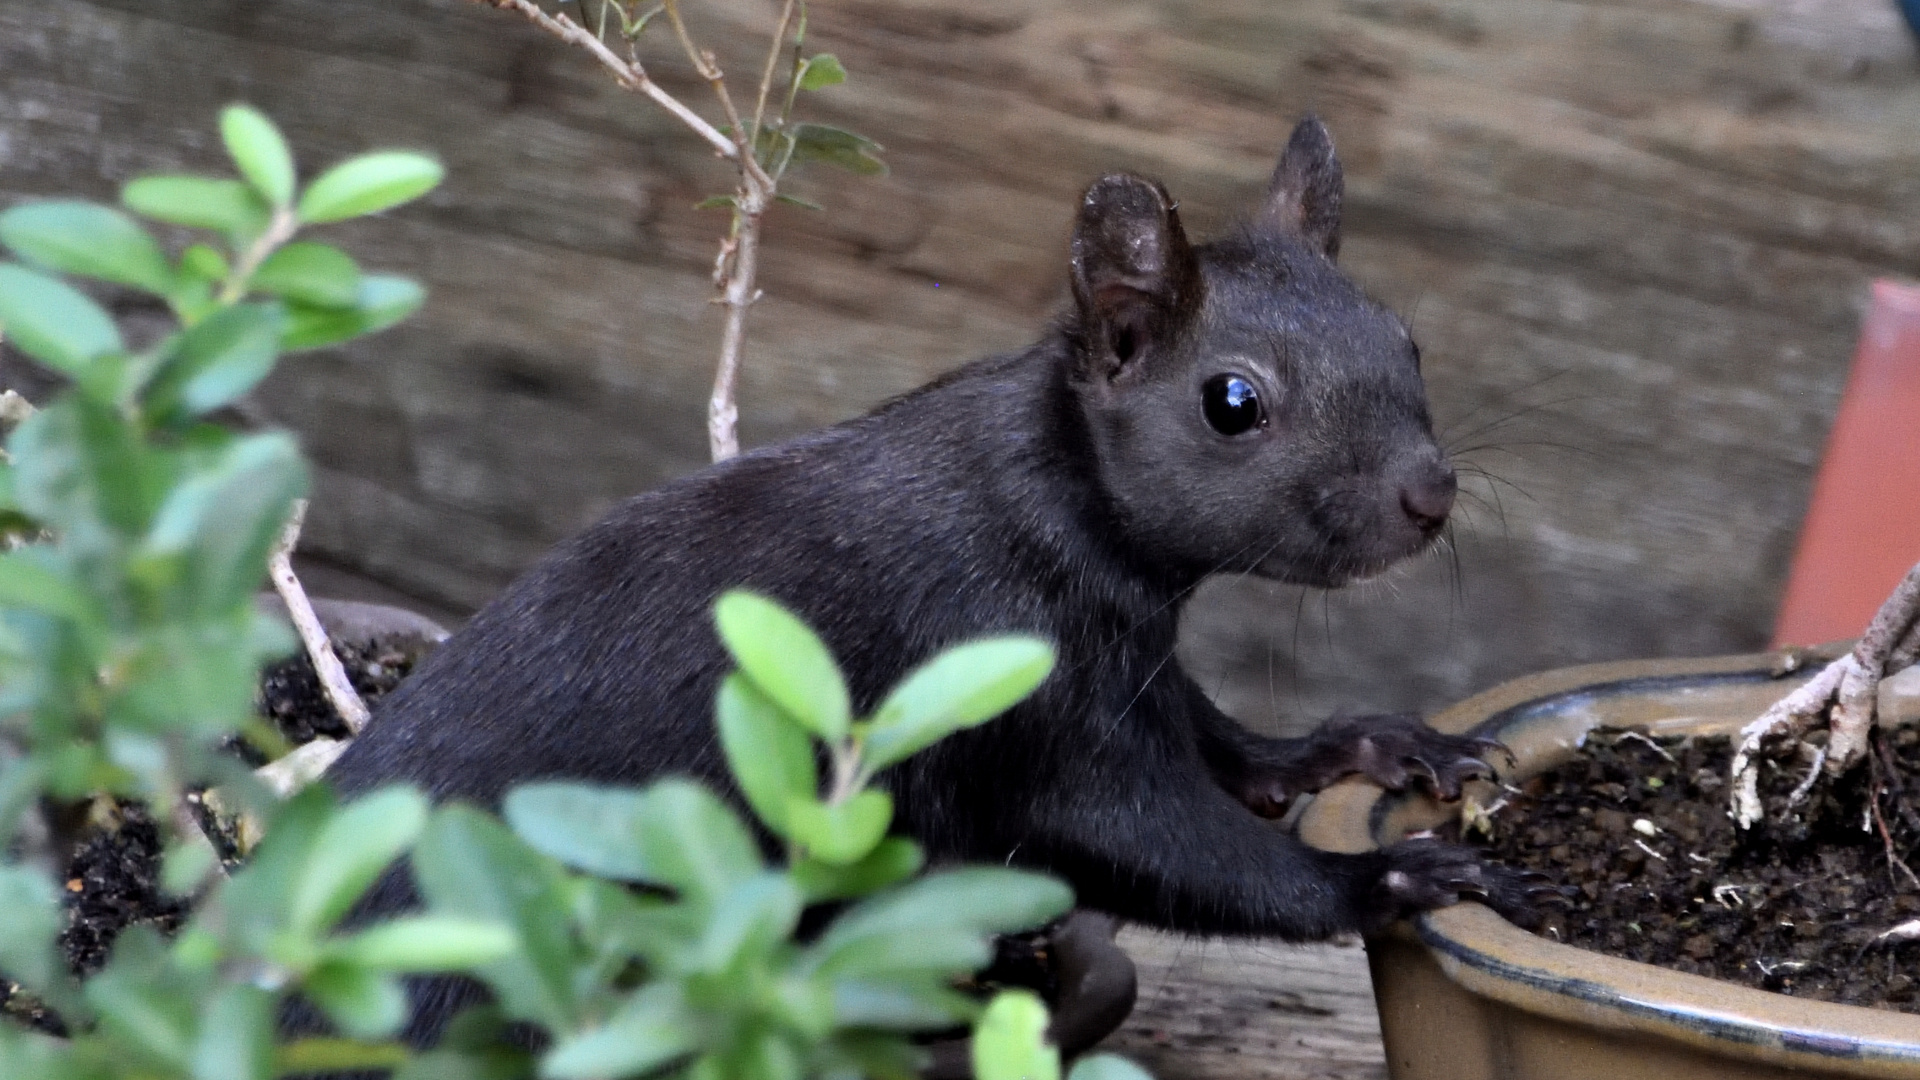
(689, 965)
(129, 643)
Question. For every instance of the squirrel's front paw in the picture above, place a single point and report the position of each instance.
(1396, 749)
(1426, 874)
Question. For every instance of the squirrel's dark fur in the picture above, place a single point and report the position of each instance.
(1075, 490)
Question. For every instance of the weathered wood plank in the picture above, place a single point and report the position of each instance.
(1237, 1010)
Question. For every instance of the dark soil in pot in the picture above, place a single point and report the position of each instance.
(113, 880)
(1639, 831)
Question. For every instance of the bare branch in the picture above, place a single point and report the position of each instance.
(333, 678)
(723, 414)
(709, 68)
(1844, 694)
(629, 74)
(766, 73)
(736, 266)
(1789, 717)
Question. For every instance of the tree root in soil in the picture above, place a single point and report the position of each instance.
(1841, 697)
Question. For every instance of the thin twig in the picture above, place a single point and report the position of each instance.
(629, 74)
(333, 678)
(1806, 783)
(280, 229)
(766, 73)
(1880, 822)
(737, 264)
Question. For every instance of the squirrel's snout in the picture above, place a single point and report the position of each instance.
(1428, 498)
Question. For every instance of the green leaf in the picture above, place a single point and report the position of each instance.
(226, 206)
(204, 262)
(794, 200)
(653, 1028)
(236, 1036)
(619, 924)
(33, 920)
(153, 1019)
(983, 899)
(29, 580)
(82, 470)
(694, 843)
(940, 952)
(222, 522)
(591, 828)
(423, 943)
(469, 864)
(382, 301)
(216, 362)
(354, 846)
(253, 903)
(786, 661)
(771, 758)
(53, 322)
(336, 1055)
(1107, 1067)
(365, 1004)
(187, 862)
(717, 202)
(750, 920)
(844, 833)
(89, 240)
(821, 71)
(960, 688)
(895, 860)
(368, 184)
(839, 148)
(675, 834)
(1010, 1042)
(893, 1005)
(259, 151)
(319, 275)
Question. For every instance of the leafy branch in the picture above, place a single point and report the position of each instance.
(760, 149)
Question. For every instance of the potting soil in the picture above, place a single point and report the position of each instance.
(1816, 902)
(113, 880)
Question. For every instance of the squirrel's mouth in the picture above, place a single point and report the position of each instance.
(1338, 566)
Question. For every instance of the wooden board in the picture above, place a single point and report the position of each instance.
(1247, 1010)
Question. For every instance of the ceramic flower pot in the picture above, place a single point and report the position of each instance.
(1465, 995)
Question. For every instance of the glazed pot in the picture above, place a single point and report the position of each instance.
(1465, 995)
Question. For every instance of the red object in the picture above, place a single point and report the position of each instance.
(1862, 532)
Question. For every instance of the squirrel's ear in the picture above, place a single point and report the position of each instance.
(1304, 198)
(1134, 274)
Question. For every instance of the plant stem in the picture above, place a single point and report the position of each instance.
(333, 678)
(738, 261)
(279, 230)
(766, 73)
(628, 73)
(737, 295)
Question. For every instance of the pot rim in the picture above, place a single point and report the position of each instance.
(1491, 957)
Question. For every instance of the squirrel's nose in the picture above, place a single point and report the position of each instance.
(1429, 499)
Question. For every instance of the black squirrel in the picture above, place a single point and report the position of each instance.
(1238, 406)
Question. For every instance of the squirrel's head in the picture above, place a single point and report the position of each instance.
(1251, 409)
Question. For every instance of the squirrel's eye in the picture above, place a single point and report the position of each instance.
(1231, 405)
